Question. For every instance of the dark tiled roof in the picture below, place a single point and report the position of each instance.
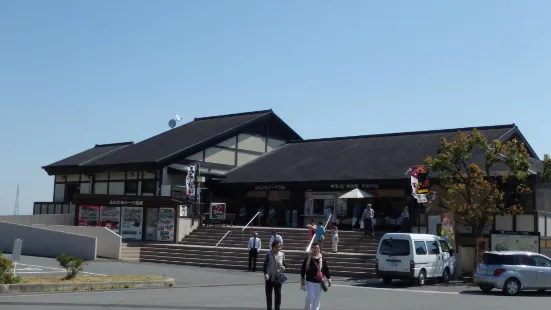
(373, 157)
(97, 151)
(180, 139)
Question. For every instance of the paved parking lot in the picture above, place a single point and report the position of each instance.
(216, 289)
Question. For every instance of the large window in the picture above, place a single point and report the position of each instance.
(148, 186)
(497, 259)
(542, 261)
(444, 245)
(420, 248)
(395, 247)
(432, 247)
(131, 187)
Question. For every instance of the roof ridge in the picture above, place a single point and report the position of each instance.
(114, 144)
(232, 115)
(105, 154)
(406, 133)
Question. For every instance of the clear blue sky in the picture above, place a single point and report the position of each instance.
(77, 73)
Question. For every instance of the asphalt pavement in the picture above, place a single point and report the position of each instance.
(217, 289)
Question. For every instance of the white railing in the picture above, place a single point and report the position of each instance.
(217, 246)
(247, 226)
(314, 236)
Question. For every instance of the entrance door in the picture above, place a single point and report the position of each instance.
(132, 220)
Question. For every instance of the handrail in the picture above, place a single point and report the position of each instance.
(227, 233)
(257, 213)
(314, 236)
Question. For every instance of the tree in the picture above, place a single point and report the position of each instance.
(477, 194)
(546, 174)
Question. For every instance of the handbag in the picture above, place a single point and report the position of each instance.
(282, 278)
(324, 283)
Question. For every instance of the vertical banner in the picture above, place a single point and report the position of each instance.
(419, 180)
(447, 231)
(190, 181)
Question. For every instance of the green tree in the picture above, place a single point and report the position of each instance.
(476, 193)
(546, 174)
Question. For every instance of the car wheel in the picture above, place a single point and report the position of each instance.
(445, 276)
(485, 288)
(421, 278)
(387, 280)
(511, 287)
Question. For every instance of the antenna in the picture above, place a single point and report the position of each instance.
(172, 122)
(16, 209)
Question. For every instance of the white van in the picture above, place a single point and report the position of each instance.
(414, 256)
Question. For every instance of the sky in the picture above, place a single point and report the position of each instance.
(78, 73)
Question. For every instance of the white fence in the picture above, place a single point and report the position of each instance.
(44, 219)
(38, 241)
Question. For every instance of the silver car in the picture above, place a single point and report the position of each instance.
(513, 272)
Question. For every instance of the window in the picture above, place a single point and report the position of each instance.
(444, 245)
(523, 260)
(541, 261)
(131, 187)
(420, 248)
(498, 259)
(148, 186)
(395, 247)
(433, 248)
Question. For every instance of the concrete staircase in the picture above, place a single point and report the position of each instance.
(356, 257)
(130, 251)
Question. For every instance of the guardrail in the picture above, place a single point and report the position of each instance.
(247, 226)
(217, 246)
(314, 236)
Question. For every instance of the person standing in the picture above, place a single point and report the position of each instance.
(274, 266)
(320, 230)
(275, 237)
(311, 229)
(254, 246)
(334, 237)
(313, 270)
(367, 217)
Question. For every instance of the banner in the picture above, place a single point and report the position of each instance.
(191, 179)
(217, 211)
(447, 231)
(419, 180)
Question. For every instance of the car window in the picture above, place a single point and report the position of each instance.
(420, 248)
(541, 261)
(444, 245)
(433, 248)
(395, 247)
(498, 259)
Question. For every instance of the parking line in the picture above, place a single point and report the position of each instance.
(59, 269)
(397, 289)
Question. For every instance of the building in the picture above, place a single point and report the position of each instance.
(255, 162)
(131, 187)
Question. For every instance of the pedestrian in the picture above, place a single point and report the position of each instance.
(320, 230)
(274, 266)
(405, 220)
(254, 246)
(367, 218)
(334, 237)
(311, 229)
(275, 237)
(313, 273)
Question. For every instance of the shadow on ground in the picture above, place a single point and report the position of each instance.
(530, 294)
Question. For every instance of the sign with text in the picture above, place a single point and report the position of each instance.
(126, 202)
(269, 187)
(217, 211)
(353, 186)
(16, 251)
(515, 241)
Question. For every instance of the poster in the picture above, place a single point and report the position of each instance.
(165, 226)
(183, 210)
(515, 241)
(88, 215)
(448, 230)
(217, 211)
(308, 206)
(419, 180)
(131, 227)
(151, 221)
(110, 217)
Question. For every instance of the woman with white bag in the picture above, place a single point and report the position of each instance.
(314, 277)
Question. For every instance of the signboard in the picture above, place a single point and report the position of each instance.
(126, 202)
(16, 251)
(217, 211)
(269, 187)
(419, 180)
(183, 211)
(515, 241)
(191, 179)
(353, 186)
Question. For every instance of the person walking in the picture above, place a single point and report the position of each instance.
(254, 246)
(275, 237)
(311, 229)
(320, 230)
(367, 217)
(334, 237)
(314, 270)
(274, 266)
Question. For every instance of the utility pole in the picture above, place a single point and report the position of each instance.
(16, 209)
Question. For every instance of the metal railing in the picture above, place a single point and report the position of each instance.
(247, 226)
(217, 246)
(314, 236)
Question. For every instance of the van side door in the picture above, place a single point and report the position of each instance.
(435, 261)
(447, 259)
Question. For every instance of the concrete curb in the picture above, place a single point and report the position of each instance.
(90, 286)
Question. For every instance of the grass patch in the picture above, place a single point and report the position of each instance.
(89, 279)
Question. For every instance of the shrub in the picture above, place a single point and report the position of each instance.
(72, 264)
(6, 271)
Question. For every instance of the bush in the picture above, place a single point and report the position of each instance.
(6, 271)
(72, 264)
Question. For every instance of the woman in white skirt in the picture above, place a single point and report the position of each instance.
(314, 270)
(334, 237)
